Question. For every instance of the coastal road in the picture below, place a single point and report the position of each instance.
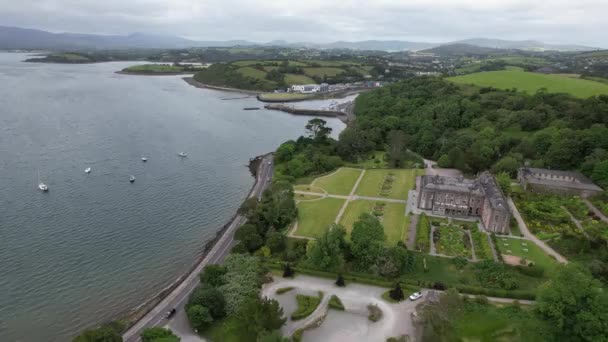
(179, 296)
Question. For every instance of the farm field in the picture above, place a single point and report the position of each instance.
(525, 249)
(320, 72)
(298, 79)
(393, 217)
(315, 216)
(531, 82)
(373, 183)
(340, 182)
(252, 72)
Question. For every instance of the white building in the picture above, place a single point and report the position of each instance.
(306, 88)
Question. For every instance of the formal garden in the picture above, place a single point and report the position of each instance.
(525, 253)
(391, 215)
(340, 182)
(389, 183)
(483, 250)
(452, 240)
(315, 216)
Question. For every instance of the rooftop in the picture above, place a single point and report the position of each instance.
(579, 180)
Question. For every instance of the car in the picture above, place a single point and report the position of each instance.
(269, 162)
(170, 313)
(415, 296)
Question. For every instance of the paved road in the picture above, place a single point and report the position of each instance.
(179, 296)
(524, 230)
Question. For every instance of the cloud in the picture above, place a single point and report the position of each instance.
(556, 21)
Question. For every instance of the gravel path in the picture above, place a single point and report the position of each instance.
(595, 210)
(411, 239)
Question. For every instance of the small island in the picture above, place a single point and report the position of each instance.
(64, 58)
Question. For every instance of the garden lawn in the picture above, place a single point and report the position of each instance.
(252, 72)
(531, 82)
(283, 96)
(340, 182)
(535, 254)
(315, 216)
(451, 242)
(404, 181)
(320, 72)
(393, 220)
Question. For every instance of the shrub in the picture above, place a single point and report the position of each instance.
(532, 270)
(397, 293)
(287, 271)
(423, 231)
(306, 306)
(284, 290)
(335, 303)
(340, 281)
(375, 314)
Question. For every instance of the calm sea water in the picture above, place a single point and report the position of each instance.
(95, 245)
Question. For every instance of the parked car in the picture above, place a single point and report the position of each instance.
(415, 296)
(170, 313)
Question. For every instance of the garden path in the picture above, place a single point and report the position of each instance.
(576, 222)
(524, 230)
(595, 210)
(411, 240)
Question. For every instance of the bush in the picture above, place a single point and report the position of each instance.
(284, 290)
(375, 314)
(340, 281)
(335, 303)
(306, 306)
(423, 232)
(396, 294)
(287, 271)
(532, 270)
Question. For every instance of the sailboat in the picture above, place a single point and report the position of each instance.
(87, 170)
(132, 179)
(43, 187)
(182, 154)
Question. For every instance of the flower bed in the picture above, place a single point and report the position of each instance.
(482, 245)
(452, 241)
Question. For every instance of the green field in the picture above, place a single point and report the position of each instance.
(283, 97)
(531, 82)
(320, 72)
(252, 72)
(517, 247)
(314, 217)
(340, 182)
(298, 79)
(393, 220)
(154, 68)
(373, 180)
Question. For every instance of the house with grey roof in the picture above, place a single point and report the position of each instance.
(461, 197)
(556, 181)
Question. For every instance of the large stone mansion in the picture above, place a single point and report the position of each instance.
(460, 197)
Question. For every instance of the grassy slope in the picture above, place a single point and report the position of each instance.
(298, 79)
(372, 181)
(531, 82)
(314, 217)
(329, 72)
(252, 72)
(340, 182)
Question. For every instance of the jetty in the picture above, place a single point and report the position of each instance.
(340, 111)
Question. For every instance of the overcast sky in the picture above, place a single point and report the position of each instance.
(552, 21)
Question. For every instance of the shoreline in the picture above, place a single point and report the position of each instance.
(134, 316)
(191, 81)
(143, 73)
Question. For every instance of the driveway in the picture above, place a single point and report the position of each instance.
(351, 324)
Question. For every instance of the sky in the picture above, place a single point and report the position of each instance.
(552, 21)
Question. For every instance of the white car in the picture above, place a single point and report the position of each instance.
(416, 295)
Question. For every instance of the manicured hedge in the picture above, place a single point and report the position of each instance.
(306, 306)
(423, 232)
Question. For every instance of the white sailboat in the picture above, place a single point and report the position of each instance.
(43, 187)
(182, 154)
(87, 170)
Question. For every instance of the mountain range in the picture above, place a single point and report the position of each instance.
(14, 38)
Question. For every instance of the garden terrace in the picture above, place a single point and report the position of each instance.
(452, 241)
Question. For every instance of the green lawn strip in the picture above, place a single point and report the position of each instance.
(302, 197)
(283, 96)
(531, 82)
(308, 188)
(306, 306)
(452, 242)
(526, 249)
(486, 322)
(252, 72)
(423, 231)
(403, 181)
(315, 216)
(393, 219)
(284, 290)
(483, 250)
(335, 303)
(339, 183)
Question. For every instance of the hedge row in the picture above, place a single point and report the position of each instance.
(423, 233)
(516, 294)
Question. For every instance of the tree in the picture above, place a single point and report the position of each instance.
(397, 293)
(340, 281)
(105, 333)
(504, 181)
(199, 317)
(213, 275)
(600, 174)
(260, 316)
(367, 241)
(575, 306)
(444, 161)
(241, 281)
(211, 298)
(158, 334)
(326, 253)
(249, 236)
(287, 271)
(397, 141)
(317, 129)
(276, 242)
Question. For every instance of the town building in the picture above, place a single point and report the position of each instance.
(306, 88)
(557, 182)
(461, 197)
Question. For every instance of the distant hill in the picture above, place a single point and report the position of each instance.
(529, 45)
(21, 38)
(461, 50)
